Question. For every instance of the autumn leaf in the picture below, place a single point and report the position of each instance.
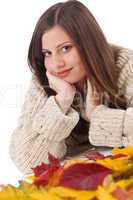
(103, 178)
(68, 193)
(122, 194)
(43, 194)
(46, 177)
(125, 183)
(115, 164)
(54, 179)
(93, 154)
(26, 188)
(45, 172)
(40, 169)
(84, 176)
(120, 155)
(53, 161)
(9, 192)
(128, 150)
(103, 194)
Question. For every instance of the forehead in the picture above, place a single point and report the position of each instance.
(55, 37)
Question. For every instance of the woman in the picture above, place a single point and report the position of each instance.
(81, 89)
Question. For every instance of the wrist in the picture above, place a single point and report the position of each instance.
(63, 103)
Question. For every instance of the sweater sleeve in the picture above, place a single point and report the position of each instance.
(114, 127)
(42, 128)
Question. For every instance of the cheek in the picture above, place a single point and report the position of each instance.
(47, 65)
(80, 70)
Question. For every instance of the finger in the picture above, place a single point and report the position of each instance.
(49, 76)
(50, 84)
(47, 73)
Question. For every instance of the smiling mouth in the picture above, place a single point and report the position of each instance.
(64, 73)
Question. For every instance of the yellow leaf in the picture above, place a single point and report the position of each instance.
(43, 194)
(116, 164)
(64, 192)
(11, 193)
(125, 183)
(26, 187)
(103, 194)
(128, 150)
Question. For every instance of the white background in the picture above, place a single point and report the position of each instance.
(17, 22)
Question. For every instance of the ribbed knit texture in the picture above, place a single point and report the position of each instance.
(43, 127)
(114, 127)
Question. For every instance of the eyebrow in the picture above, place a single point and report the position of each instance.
(58, 45)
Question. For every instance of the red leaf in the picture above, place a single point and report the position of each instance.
(53, 161)
(122, 194)
(84, 176)
(44, 172)
(40, 169)
(45, 177)
(93, 155)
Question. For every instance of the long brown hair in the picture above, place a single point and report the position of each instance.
(96, 53)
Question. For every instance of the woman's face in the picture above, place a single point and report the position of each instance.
(61, 57)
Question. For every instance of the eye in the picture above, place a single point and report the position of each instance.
(66, 48)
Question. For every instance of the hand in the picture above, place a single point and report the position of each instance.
(92, 100)
(61, 87)
(65, 91)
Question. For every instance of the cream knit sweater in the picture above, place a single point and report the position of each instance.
(43, 127)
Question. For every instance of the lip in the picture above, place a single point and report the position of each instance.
(64, 73)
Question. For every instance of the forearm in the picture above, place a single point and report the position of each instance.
(107, 126)
(27, 155)
(46, 133)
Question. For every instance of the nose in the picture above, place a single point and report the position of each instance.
(58, 62)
